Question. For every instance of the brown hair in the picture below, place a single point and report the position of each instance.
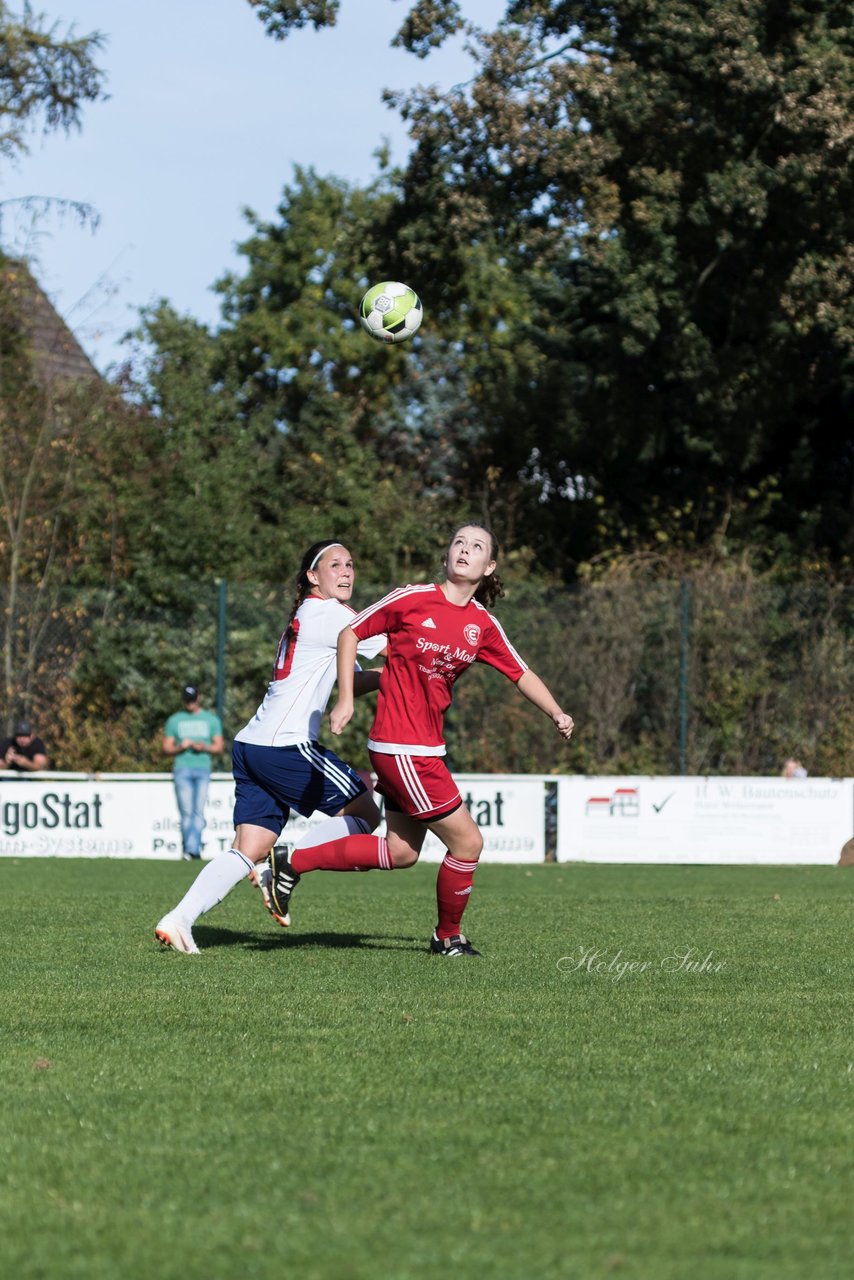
(491, 588)
(303, 586)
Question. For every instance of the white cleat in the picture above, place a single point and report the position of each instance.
(260, 876)
(171, 933)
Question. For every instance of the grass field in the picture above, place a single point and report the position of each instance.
(648, 1075)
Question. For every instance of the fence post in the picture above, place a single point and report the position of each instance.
(222, 590)
(684, 641)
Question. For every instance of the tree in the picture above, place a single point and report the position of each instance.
(639, 218)
(426, 25)
(56, 509)
(45, 79)
(674, 188)
(189, 499)
(281, 16)
(319, 398)
(44, 76)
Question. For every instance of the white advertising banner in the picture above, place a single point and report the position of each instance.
(113, 816)
(603, 819)
(510, 810)
(135, 816)
(704, 820)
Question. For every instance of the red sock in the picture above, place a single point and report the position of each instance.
(347, 853)
(453, 886)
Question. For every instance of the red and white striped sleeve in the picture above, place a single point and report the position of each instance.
(497, 651)
(381, 617)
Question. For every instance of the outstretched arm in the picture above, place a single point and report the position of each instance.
(532, 687)
(342, 712)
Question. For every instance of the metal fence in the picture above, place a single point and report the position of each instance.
(719, 673)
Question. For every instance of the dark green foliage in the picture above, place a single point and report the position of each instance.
(281, 16)
(671, 193)
(44, 77)
(189, 501)
(293, 407)
(427, 26)
(631, 234)
(770, 672)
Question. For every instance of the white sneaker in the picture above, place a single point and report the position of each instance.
(261, 875)
(171, 933)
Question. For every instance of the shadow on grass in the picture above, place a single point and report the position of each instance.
(208, 936)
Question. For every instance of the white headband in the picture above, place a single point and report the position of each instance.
(323, 551)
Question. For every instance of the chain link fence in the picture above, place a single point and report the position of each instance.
(718, 674)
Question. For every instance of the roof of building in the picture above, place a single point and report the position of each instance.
(56, 352)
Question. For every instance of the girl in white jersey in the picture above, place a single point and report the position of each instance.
(434, 631)
(279, 765)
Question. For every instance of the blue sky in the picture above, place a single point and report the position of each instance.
(206, 115)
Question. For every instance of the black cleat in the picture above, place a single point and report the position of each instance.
(455, 946)
(282, 883)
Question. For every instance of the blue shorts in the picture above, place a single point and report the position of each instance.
(270, 781)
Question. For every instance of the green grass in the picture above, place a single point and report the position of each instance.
(332, 1102)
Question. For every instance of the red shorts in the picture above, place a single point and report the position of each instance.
(419, 786)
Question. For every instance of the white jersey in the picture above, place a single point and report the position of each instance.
(303, 675)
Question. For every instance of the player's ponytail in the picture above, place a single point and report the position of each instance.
(490, 590)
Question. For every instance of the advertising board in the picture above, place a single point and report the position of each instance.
(135, 816)
(704, 820)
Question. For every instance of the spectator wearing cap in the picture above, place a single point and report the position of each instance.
(24, 752)
(192, 737)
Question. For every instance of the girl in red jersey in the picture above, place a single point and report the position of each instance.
(435, 631)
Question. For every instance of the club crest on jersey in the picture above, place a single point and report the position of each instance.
(471, 633)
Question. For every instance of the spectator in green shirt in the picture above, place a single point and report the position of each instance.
(192, 737)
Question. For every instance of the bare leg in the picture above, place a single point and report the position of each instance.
(364, 807)
(405, 837)
(253, 842)
(460, 834)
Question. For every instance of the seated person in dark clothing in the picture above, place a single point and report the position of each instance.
(24, 753)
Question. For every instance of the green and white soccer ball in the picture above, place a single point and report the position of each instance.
(390, 312)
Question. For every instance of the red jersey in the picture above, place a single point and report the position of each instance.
(431, 642)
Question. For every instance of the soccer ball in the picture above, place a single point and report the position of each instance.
(390, 312)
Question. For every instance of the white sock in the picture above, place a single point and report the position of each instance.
(216, 879)
(333, 829)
